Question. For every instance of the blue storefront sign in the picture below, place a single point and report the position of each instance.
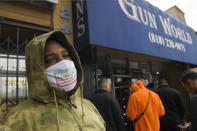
(137, 26)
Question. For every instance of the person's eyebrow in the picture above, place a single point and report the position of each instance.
(48, 55)
(65, 51)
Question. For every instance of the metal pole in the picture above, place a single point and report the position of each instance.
(17, 60)
(95, 66)
(8, 46)
(111, 75)
(0, 32)
(23, 88)
(26, 88)
(12, 90)
(151, 72)
(129, 71)
(12, 23)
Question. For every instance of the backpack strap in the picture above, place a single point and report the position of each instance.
(144, 109)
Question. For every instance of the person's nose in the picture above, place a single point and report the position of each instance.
(60, 58)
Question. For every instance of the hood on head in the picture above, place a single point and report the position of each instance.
(39, 88)
(136, 86)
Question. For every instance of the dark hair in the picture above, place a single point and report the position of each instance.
(150, 85)
(163, 82)
(54, 38)
(188, 75)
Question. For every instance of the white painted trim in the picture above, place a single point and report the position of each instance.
(52, 1)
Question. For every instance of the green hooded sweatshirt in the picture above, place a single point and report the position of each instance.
(48, 109)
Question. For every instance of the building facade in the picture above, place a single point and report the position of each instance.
(126, 41)
(122, 41)
(20, 21)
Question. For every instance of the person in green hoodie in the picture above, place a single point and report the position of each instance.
(54, 73)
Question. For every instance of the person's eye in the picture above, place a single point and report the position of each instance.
(66, 56)
(50, 61)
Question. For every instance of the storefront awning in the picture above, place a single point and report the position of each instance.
(137, 26)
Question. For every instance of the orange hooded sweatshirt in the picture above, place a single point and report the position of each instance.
(137, 103)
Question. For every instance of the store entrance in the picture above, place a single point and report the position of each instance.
(123, 72)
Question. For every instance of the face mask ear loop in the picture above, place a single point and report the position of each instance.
(83, 113)
(57, 112)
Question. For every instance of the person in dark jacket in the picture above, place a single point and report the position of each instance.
(108, 106)
(151, 86)
(189, 82)
(174, 107)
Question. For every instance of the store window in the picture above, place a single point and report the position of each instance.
(13, 82)
(102, 64)
(10, 78)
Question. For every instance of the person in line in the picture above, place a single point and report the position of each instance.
(108, 106)
(151, 86)
(54, 73)
(189, 82)
(137, 103)
(174, 107)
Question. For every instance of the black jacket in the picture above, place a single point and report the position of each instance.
(193, 111)
(109, 109)
(173, 104)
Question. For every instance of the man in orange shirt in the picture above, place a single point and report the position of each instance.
(137, 104)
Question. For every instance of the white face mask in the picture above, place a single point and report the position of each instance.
(63, 75)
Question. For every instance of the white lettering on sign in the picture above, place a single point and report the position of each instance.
(140, 15)
(174, 31)
(146, 17)
(165, 42)
(133, 16)
(156, 39)
(80, 19)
